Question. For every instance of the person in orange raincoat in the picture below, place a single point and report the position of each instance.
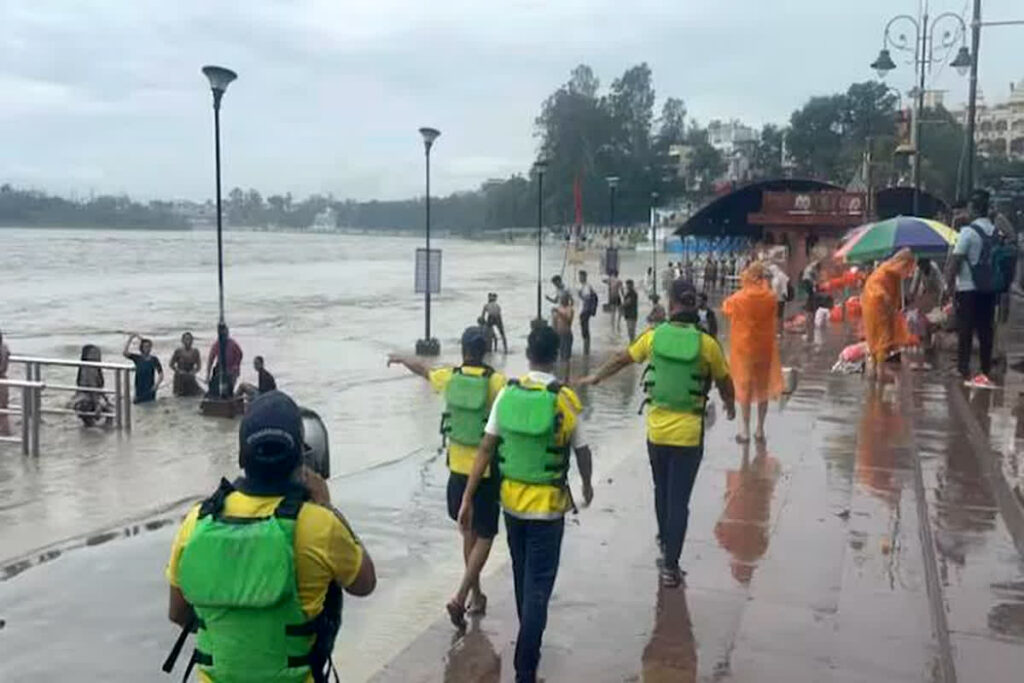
(885, 328)
(753, 347)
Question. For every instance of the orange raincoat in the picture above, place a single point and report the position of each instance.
(753, 344)
(885, 328)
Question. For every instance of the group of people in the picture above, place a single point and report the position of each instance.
(896, 317)
(185, 364)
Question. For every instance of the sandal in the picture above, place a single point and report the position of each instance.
(670, 577)
(457, 613)
(740, 438)
(478, 607)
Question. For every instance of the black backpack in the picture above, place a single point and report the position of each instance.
(997, 263)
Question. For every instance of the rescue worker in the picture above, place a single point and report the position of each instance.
(533, 425)
(682, 361)
(255, 568)
(469, 390)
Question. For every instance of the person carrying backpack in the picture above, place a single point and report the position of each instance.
(981, 270)
(469, 391)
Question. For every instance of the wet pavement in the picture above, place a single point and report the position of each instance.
(863, 543)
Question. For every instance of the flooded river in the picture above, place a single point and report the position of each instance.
(324, 310)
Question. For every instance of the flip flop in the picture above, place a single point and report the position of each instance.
(742, 439)
(457, 613)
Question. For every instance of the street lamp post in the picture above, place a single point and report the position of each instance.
(219, 78)
(540, 167)
(925, 51)
(428, 346)
(654, 244)
(613, 184)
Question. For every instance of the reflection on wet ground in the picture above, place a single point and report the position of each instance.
(837, 553)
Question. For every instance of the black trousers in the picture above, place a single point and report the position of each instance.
(535, 547)
(585, 331)
(674, 469)
(975, 314)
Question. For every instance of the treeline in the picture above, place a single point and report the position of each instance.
(34, 208)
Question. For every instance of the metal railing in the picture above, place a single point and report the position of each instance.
(121, 390)
(31, 393)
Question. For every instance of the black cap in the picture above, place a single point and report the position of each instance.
(270, 436)
(474, 342)
(684, 292)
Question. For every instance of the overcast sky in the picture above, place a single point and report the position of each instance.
(106, 96)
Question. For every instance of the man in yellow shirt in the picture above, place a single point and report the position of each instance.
(256, 567)
(683, 363)
(536, 422)
(469, 389)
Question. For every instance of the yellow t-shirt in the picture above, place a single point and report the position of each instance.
(325, 548)
(669, 427)
(461, 456)
(542, 501)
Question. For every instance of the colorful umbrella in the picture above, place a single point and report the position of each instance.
(880, 240)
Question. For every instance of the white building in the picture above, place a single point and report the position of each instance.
(999, 129)
(735, 141)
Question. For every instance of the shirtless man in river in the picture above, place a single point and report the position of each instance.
(562, 319)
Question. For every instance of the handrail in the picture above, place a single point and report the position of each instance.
(72, 363)
(22, 383)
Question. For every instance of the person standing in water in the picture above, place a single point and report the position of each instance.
(630, 308)
(469, 390)
(683, 362)
(492, 318)
(533, 425)
(563, 326)
(754, 347)
(147, 367)
(232, 359)
(5, 360)
(588, 309)
(264, 381)
(185, 364)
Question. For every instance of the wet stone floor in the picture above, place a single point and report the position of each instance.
(864, 542)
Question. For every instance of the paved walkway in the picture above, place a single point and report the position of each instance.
(868, 542)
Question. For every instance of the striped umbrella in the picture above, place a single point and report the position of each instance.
(876, 241)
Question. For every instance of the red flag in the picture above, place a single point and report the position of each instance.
(577, 193)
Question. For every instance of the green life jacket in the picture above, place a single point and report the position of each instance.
(467, 406)
(674, 380)
(529, 421)
(239, 576)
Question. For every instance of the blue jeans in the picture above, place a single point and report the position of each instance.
(535, 546)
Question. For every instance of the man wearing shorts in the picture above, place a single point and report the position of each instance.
(469, 390)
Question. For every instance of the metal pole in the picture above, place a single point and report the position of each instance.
(426, 335)
(972, 98)
(37, 405)
(221, 338)
(118, 406)
(654, 251)
(26, 411)
(917, 118)
(540, 223)
(126, 396)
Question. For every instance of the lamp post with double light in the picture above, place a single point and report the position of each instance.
(926, 51)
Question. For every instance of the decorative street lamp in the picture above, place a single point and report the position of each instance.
(220, 78)
(611, 254)
(540, 167)
(428, 346)
(613, 183)
(926, 53)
